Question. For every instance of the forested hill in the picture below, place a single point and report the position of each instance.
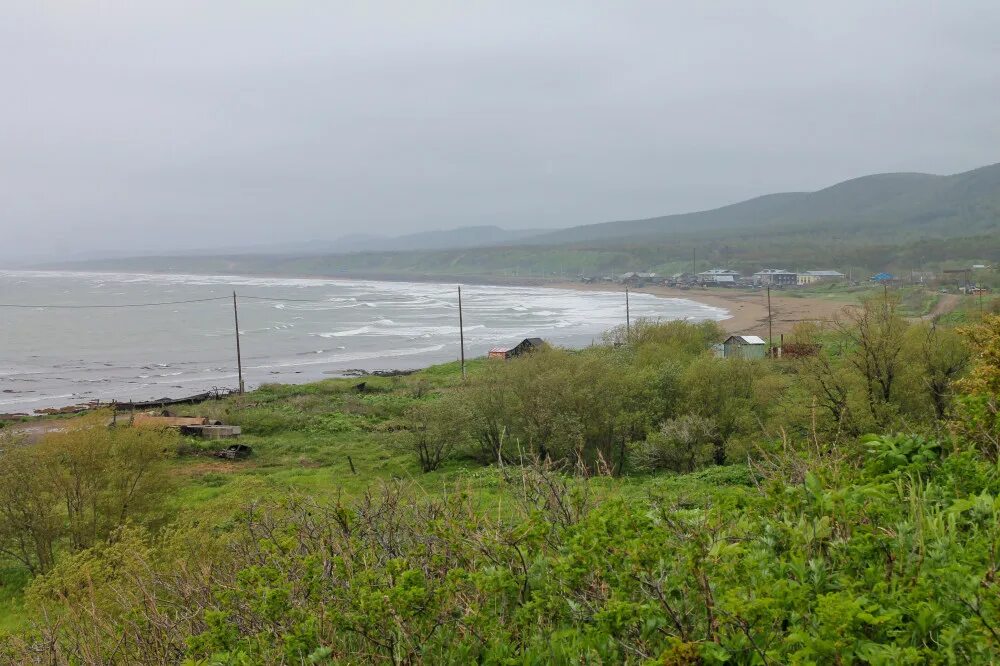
(891, 206)
(896, 222)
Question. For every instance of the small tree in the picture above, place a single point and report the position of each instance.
(438, 428)
(876, 331)
(979, 407)
(103, 476)
(682, 445)
(29, 525)
(941, 356)
(75, 488)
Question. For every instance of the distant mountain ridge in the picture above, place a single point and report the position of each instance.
(450, 239)
(962, 204)
(878, 212)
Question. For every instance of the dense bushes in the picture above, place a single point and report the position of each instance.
(682, 445)
(814, 544)
(870, 567)
(74, 488)
(654, 398)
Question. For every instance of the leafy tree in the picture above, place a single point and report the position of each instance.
(941, 356)
(681, 445)
(76, 487)
(736, 394)
(979, 408)
(876, 331)
(29, 523)
(437, 429)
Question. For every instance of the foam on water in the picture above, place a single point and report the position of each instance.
(143, 353)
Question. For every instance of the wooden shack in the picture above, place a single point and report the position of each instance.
(523, 347)
(744, 346)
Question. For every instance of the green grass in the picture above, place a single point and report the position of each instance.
(13, 580)
(305, 438)
(968, 310)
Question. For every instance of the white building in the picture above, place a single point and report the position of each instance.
(808, 277)
(718, 276)
(775, 276)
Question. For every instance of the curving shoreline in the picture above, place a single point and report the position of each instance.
(746, 311)
(747, 308)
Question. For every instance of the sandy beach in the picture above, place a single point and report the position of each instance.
(748, 308)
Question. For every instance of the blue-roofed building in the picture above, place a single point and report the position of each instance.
(883, 277)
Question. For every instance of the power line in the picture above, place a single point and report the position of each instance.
(112, 305)
(61, 306)
(292, 300)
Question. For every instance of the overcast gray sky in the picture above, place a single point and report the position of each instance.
(164, 124)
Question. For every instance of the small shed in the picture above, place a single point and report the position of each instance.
(744, 346)
(523, 347)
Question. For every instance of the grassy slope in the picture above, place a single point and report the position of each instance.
(302, 436)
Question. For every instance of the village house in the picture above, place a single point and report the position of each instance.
(775, 277)
(809, 277)
(720, 276)
(525, 346)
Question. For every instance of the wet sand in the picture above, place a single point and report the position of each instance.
(747, 308)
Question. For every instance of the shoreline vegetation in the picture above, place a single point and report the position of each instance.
(638, 501)
(747, 310)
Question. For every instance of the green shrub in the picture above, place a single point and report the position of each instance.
(682, 445)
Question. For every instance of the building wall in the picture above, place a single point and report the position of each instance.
(744, 351)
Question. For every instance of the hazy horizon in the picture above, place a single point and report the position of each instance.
(172, 126)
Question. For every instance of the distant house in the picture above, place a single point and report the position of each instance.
(525, 346)
(718, 276)
(775, 276)
(809, 277)
(744, 346)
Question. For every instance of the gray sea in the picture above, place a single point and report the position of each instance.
(291, 329)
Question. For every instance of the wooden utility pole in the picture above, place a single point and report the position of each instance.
(461, 331)
(770, 333)
(628, 317)
(239, 356)
(694, 262)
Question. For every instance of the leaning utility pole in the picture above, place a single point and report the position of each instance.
(770, 334)
(239, 357)
(461, 331)
(628, 317)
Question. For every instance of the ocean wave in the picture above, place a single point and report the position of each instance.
(350, 357)
(401, 331)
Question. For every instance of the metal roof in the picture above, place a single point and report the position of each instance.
(748, 339)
